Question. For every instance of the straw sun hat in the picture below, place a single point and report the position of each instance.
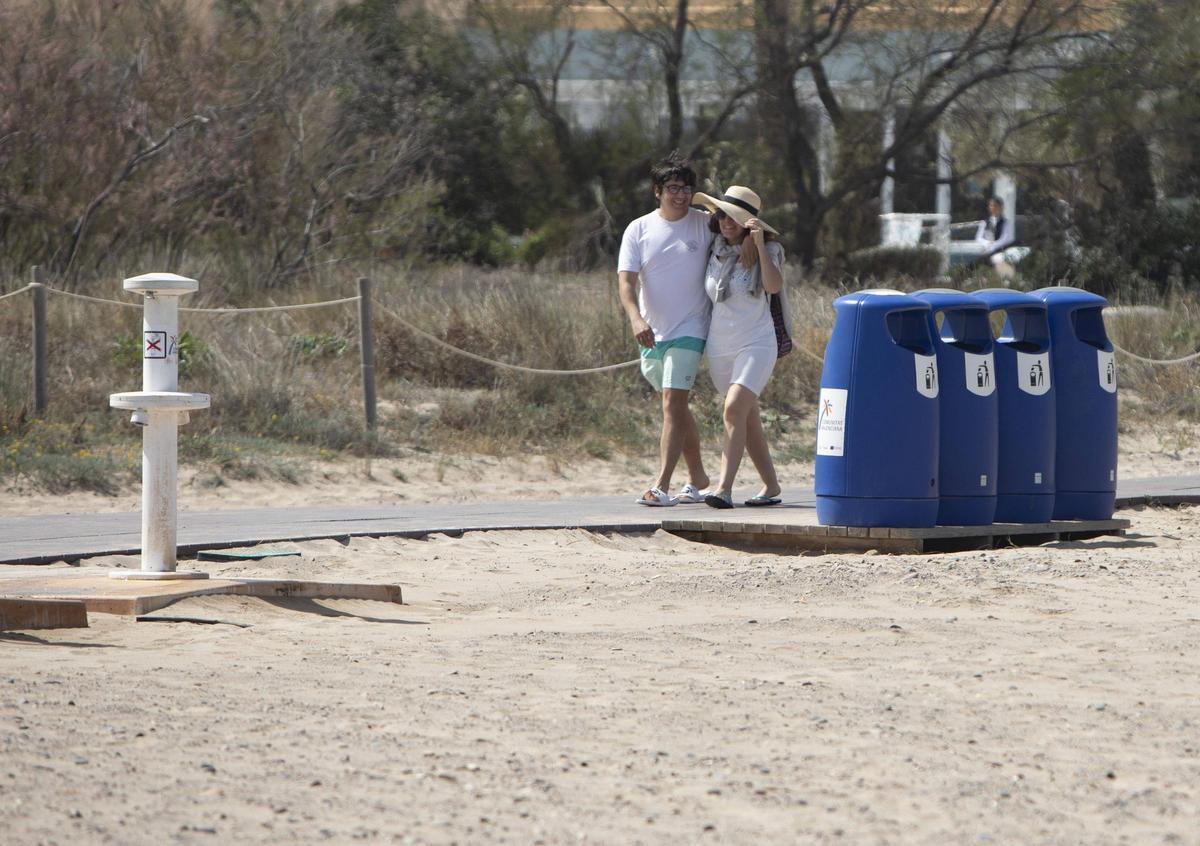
(739, 203)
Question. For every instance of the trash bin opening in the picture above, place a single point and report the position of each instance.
(909, 329)
(1088, 324)
(967, 329)
(1025, 330)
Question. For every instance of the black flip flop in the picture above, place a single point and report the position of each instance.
(763, 501)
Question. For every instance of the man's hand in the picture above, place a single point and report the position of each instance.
(642, 331)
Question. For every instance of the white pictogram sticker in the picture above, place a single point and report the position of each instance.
(1033, 373)
(927, 375)
(1108, 371)
(831, 421)
(980, 373)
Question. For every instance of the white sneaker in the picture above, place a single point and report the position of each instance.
(691, 494)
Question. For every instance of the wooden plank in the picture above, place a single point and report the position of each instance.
(95, 592)
(33, 614)
(800, 542)
(905, 540)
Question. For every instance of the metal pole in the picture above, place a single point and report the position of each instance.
(943, 196)
(366, 344)
(887, 191)
(41, 394)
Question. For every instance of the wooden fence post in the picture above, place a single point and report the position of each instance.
(366, 344)
(40, 393)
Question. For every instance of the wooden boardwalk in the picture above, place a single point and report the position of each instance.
(49, 538)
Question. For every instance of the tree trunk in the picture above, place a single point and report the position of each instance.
(783, 126)
(674, 104)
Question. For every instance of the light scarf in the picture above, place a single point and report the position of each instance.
(727, 256)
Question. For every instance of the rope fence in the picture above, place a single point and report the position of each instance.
(501, 364)
(247, 310)
(1162, 361)
(39, 289)
(14, 293)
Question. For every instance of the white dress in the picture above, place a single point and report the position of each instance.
(741, 346)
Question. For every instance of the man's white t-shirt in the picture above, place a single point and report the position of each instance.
(670, 257)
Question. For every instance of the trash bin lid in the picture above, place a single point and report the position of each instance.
(1065, 295)
(949, 298)
(880, 299)
(1007, 299)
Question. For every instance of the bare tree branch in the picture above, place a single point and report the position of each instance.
(131, 164)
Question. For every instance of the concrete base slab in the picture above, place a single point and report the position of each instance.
(31, 614)
(93, 590)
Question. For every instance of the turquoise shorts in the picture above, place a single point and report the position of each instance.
(673, 363)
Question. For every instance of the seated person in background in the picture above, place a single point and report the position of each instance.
(994, 235)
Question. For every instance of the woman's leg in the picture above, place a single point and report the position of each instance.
(760, 453)
(738, 404)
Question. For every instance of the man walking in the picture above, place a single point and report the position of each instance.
(666, 251)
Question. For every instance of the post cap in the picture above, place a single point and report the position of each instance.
(169, 284)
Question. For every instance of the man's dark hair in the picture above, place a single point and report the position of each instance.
(673, 166)
(997, 201)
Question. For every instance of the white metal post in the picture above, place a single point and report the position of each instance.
(887, 191)
(942, 198)
(159, 407)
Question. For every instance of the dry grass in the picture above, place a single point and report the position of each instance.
(286, 387)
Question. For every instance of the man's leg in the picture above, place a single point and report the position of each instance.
(691, 451)
(679, 434)
(676, 418)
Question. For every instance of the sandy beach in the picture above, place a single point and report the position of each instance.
(567, 687)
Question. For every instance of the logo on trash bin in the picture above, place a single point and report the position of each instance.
(927, 375)
(831, 421)
(1033, 373)
(980, 372)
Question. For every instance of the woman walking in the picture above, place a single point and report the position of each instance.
(742, 346)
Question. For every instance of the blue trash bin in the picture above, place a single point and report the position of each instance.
(1085, 380)
(877, 421)
(969, 439)
(1025, 387)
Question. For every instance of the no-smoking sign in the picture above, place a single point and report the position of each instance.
(155, 345)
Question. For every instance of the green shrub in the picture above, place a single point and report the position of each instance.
(542, 242)
(58, 458)
(319, 345)
(921, 264)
